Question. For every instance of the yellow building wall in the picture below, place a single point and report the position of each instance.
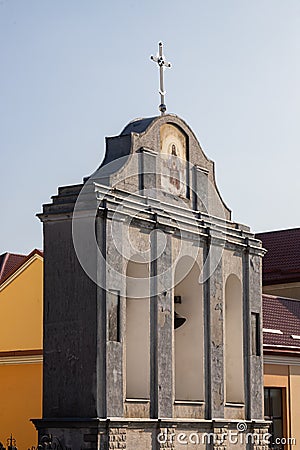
(20, 400)
(21, 322)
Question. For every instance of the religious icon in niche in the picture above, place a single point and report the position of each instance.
(173, 157)
(174, 166)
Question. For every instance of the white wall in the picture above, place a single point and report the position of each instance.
(189, 338)
(234, 363)
(137, 331)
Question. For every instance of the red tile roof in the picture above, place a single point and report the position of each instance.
(10, 262)
(282, 314)
(281, 264)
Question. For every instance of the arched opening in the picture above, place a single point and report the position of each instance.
(174, 156)
(234, 360)
(189, 338)
(137, 331)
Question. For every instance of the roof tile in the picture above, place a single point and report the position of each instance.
(282, 262)
(10, 262)
(281, 314)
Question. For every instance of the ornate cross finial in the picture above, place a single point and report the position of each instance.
(162, 63)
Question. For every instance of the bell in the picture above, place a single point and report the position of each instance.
(178, 320)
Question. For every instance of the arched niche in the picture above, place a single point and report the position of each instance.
(189, 338)
(137, 331)
(234, 361)
(174, 154)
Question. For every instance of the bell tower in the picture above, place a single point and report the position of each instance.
(152, 303)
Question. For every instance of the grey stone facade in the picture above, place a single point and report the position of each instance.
(91, 231)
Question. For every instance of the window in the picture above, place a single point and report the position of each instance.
(274, 412)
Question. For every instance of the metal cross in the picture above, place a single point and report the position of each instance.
(162, 63)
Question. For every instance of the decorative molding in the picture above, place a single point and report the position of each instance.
(20, 359)
(147, 150)
(189, 402)
(274, 347)
(234, 405)
(282, 360)
(201, 169)
(117, 438)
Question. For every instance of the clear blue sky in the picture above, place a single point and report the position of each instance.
(73, 72)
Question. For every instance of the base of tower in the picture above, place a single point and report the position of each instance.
(151, 434)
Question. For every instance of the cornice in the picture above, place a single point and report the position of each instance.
(153, 213)
(282, 360)
(21, 358)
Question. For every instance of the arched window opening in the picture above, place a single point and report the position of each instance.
(234, 361)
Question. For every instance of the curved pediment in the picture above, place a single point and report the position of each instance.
(161, 157)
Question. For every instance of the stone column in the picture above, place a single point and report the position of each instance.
(161, 326)
(214, 338)
(253, 333)
(114, 315)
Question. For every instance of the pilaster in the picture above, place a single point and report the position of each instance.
(200, 189)
(115, 288)
(161, 326)
(147, 169)
(214, 306)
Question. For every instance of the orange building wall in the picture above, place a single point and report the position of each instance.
(20, 400)
(287, 377)
(278, 376)
(21, 313)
